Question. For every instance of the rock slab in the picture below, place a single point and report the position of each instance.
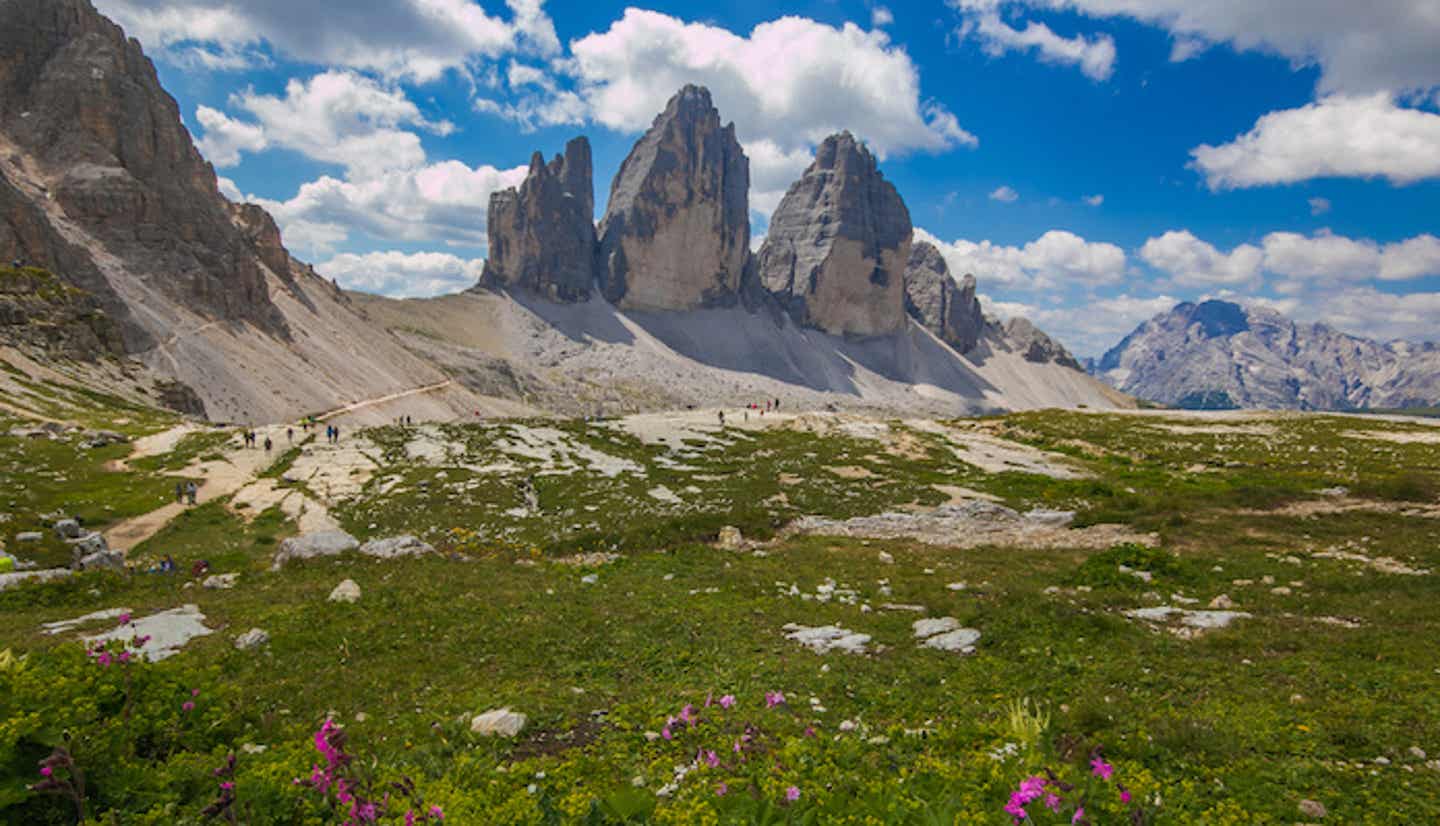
(542, 235)
(313, 545)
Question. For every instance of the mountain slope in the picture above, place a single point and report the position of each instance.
(101, 185)
(1220, 354)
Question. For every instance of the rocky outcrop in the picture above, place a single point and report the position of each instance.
(82, 106)
(676, 234)
(838, 246)
(40, 312)
(542, 235)
(1029, 341)
(932, 298)
(1219, 354)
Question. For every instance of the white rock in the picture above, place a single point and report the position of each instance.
(1203, 620)
(930, 627)
(956, 586)
(396, 546)
(313, 545)
(961, 640)
(221, 582)
(887, 558)
(590, 579)
(254, 638)
(501, 722)
(827, 638)
(347, 591)
(168, 631)
(1222, 603)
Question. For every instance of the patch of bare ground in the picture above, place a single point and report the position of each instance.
(1334, 505)
(975, 524)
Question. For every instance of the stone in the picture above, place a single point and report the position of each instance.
(886, 558)
(168, 632)
(221, 582)
(254, 638)
(87, 543)
(1050, 518)
(731, 539)
(347, 591)
(542, 235)
(838, 245)
(676, 233)
(959, 641)
(1198, 620)
(10, 580)
(26, 537)
(1222, 603)
(67, 529)
(826, 638)
(396, 546)
(1418, 753)
(1029, 341)
(501, 722)
(1312, 808)
(102, 560)
(937, 303)
(313, 545)
(930, 627)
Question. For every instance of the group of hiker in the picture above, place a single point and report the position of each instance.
(186, 493)
(332, 434)
(769, 405)
(251, 438)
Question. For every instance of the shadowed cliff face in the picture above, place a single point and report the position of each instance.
(542, 235)
(676, 234)
(932, 298)
(839, 244)
(91, 138)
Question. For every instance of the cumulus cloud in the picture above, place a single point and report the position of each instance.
(1360, 137)
(403, 275)
(335, 117)
(791, 81)
(1365, 311)
(1358, 47)
(415, 39)
(1055, 259)
(1094, 56)
(1192, 262)
(881, 16)
(1005, 195)
(772, 171)
(1319, 206)
(1094, 200)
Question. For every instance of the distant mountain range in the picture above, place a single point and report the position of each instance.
(1218, 354)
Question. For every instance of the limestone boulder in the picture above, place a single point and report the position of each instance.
(313, 545)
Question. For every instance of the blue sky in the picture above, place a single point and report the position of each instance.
(1091, 161)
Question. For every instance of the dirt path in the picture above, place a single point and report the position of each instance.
(361, 405)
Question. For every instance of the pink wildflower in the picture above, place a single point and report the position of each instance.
(436, 813)
(227, 786)
(123, 656)
(722, 790)
(1052, 802)
(194, 692)
(792, 794)
(1079, 815)
(103, 659)
(1016, 807)
(125, 618)
(774, 698)
(687, 715)
(187, 706)
(809, 731)
(727, 701)
(410, 818)
(46, 771)
(1124, 795)
(1101, 769)
(667, 733)
(139, 642)
(712, 759)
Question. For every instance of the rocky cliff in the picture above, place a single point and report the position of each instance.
(1218, 354)
(81, 106)
(676, 233)
(936, 302)
(839, 244)
(542, 235)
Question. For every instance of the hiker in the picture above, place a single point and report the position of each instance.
(191, 491)
(167, 565)
(290, 435)
(722, 418)
(268, 444)
(199, 569)
(337, 434)
(179, 493)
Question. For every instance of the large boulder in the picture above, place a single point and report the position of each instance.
(313, 545)
(932, 298)
(396, 546)
(838, 245)
(676, 234)
(542, 235)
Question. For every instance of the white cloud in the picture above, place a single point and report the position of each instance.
(226, 138)
(1359, 47)
(1319, 206)
(881, 17)
(1094, 200)
(772, 171)
(1055, 259)
(1192, 262)
(415, 39)
(403, 275)
(334, 117)
(1368, 312)
(1094, 56)
(1415, 258)
(1323, 256)
(1358, 137)
(1005, 195)
(790, 81)
(444, 202)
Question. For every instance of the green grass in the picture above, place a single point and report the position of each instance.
(1233, 727)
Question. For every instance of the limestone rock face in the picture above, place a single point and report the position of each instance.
(839, 245)
(1025, 338)
(81, 109)
(542, 236)
(676, 234)
(950, 311)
